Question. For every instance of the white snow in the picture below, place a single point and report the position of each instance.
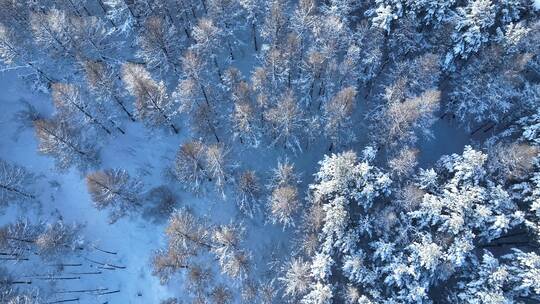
(536, 4)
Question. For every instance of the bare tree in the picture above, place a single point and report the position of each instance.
(101, 81)
(16, 184)
(205, 122)
(410, 197)
(284, 174)
(296, 278)
(337, 114)
(244, 117)
(14, 51)
(17, 238)
(187, 236)
(152, 103)
(189, 165)
(276, 22)
(166, 263)
(57, 239)
(208, 41)
(169, 301)
(286, 121)
(51, 30)
(192, 88)
(236, 264)
(91, 37)
(116, 190)
(221, 294)
(159, 44)
(401, 119)
(515, 160)
(268, 292)
(234, 261)
(249, 291)
(69, 101)
(187, 232)
(199, 278)
(283, 205)
(404, 163)
(248, 193)
(218, 166)
(68, 145)
(245, 124)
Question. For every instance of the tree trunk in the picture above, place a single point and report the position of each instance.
(20, 192)
(119, 102)
(254, 37)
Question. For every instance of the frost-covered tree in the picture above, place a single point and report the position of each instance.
(471, 29)
(404, 163)
(319, 293)
(460, 200)
(286, 121)
(487, 282)
(189, 165)
(401, 121)
(187, 236)
(101, 80)
(159, 44)
(51, 30)
(218, 166)
(69, 102)
(16, 184)
(296, 278)
(283, 205)
(234, 261)
(491, 87)
(67, 144)
(14, 50)
(120, 14)
(152, 103)
(248, 193)
(337, 115)
(116, 190)
(343, 180)
(57, 239)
